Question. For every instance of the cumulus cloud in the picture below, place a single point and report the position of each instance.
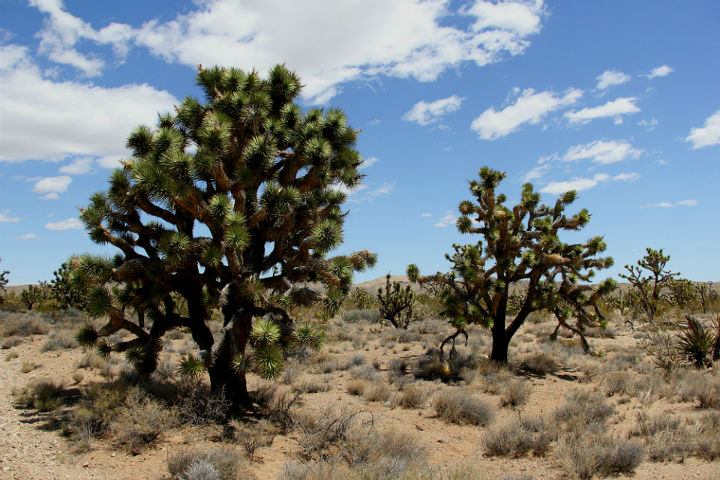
(425, 113)
(52, 186)
(331, 42)
(76, 119)
(79, 166)
(602, 152)
(648, 125)
(369, 162)
(579, 184)
(67, 224)
(660, 71)
(707, 135)
(447, 220)
(62, 31)
(681, 203)
(6, 218)
(27, 236)
(529, 107)
(613, 108)
(610, 77)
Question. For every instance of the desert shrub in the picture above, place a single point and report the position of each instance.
(456, 406)
(518, 438)
(412, 396)
(226, 463)
(370, 316)
(356, 387)
(515, 393)
(327, 429)
(365, 373)
(312, 384)
(581, 410)
(21, 324)
(281, 408)
(196, 405)
(391, 453)
(700, 387)
(540, 363)
(11, 355)
(27, 367)
(140, 421)
(696, 342)
(10, 342)
(669, 437)
(377, 392)
(42, 395)
(587, 455)
(355, 361)
(59, 341)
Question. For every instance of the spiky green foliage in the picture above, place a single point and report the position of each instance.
(648, 278)
(232, 204)
(519, 244)
(190, 366)
(66, 292)
(87, 336)
(3, 283)
(33, 295)
(696, 342)
(396, 304)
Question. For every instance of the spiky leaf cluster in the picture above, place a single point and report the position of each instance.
(519, 243)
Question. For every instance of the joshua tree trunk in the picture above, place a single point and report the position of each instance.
(223, 376)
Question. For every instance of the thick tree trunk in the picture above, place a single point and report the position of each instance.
(223, 377)
(500, 344)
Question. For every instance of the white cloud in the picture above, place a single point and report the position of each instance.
(610, 77)
(336, 42)
(537, 172)
(626, 177)
(62, 31)
(688, 203)
(79, 166)
(579, 184)
(6, 218)
(602, 152)
(530, 107)
(363, 193)
(50, 196)
(614, 108)
(648, 125)
(27, 236)
(51, 185)
(67, 224)
(426, 214)
(657, 205)
(708, 135)
(660, 71)
(447, 220)
(76, 119)
(369, 162)
(426, 113)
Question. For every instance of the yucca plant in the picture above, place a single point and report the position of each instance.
(396, 303)
(696, 342)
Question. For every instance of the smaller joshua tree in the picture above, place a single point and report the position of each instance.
(520, 244)
(396, 304)
(67, 293)
(3, 283)
(647, 288)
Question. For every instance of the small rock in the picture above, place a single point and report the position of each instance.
(86, 465)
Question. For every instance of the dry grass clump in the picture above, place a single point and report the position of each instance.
(11, 355)
(10, 342)
(411, 396)
(700, 387)
(356, 387)
(59, 340)
(377, 392)
(581, 410)
(515, 393)
(208, 463)
(369, 316)
(42, 395)
(22, 324)
(313, 384)
(27, 367)
(589, 454)
(251, 437)
(140, 421)
(540, 363)
(323, 431)
(668, 437)
(382, 454)
(456, 406)
(518, 438)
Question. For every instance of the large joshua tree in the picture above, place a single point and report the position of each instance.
(519, 246)
(234, 203)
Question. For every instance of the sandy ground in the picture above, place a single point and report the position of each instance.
(31, 447)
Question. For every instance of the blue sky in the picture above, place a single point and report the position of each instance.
(616, 99)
